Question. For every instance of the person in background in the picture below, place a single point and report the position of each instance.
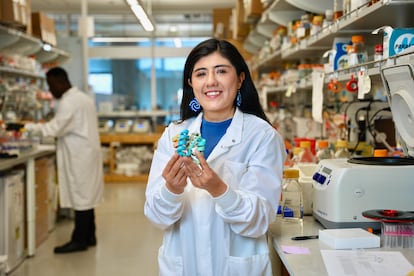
(215, 214)
(79, 160)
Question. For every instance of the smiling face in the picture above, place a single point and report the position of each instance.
(215, 83)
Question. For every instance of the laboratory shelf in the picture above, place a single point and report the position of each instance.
(361, 21)
(16, 42)
(114, 140)
(20, 73)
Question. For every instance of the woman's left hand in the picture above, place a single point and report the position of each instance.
(203, 177)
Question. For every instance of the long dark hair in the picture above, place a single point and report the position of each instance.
(250, 98)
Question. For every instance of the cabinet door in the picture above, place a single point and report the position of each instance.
(41, 176)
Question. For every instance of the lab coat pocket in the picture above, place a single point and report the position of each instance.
(258, 265)
(169, 265)
(233, 172)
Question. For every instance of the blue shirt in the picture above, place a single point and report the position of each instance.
(212, 132)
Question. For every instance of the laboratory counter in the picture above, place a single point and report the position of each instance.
(28, 160)
(280, 234)
(41, 150)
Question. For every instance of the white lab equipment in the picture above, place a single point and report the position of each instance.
(344, 188)
(12, 237)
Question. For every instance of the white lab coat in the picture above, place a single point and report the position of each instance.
(224, 235)
(78, 150)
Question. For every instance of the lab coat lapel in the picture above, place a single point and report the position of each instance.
(231, 138)
(195, 126)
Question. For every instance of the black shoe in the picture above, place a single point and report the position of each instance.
(70, 247)
(92, 241)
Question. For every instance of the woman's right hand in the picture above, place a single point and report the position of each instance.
(175, 175)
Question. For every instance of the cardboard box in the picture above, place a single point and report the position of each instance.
(26, 15)
(253, 9)
(240, 28)
(221, 23)
(10, 13)
(43, 27)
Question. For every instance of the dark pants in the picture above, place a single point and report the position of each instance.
(84, 232)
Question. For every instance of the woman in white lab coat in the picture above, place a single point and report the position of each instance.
(215, 215)
(79, 160)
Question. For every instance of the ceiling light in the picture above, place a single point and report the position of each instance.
(141, 15)
(119, 39)
(47, 47)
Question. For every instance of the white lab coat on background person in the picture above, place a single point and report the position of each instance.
(78, 150)
(224, 235)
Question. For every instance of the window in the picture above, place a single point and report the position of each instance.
(101, 83)
(132, 73)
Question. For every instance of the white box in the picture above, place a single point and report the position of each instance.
(349, 238)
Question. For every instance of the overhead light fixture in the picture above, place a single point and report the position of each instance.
(47, 47)
(120, 39)
(141, 15)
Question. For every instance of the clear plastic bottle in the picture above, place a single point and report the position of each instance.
(305, 154)
(342, 149)
(351, 57)
(359, 45)
(323, 150)
(292, 196)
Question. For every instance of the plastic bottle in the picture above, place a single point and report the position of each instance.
(379, 51)
(352, 57)
(359, 46)
(304, 27)
(346, 8)
(292, 196)
(305, 154)
(328, 18)
(342, 149)
(323, 150)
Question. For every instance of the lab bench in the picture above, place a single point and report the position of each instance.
(28, 160)
(280, 234)
(115, 141)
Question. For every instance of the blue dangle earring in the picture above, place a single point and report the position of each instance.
(238, 99)
(195, 105)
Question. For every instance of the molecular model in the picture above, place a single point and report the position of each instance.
(186, 143)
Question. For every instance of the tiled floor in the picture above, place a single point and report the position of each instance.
(127, 242)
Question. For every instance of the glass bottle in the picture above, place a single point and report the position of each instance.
(323, 150)
(292, 196)
(305, 154)
(342, 149)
